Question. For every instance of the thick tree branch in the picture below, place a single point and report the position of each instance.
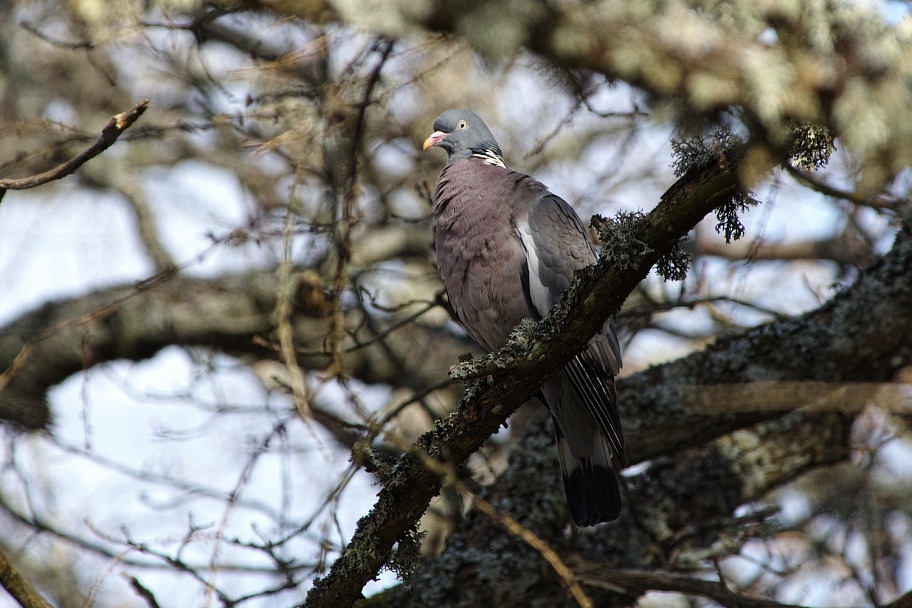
(109, 134)
(863, 335)
(846, 397)
(679, 513)
(638, 582)
(234, 314)
(522, 366)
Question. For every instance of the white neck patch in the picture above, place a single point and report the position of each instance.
(490, 157)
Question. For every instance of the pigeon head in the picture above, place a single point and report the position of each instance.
(464, 135)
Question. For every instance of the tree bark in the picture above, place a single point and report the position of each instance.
(21, 590)
(680, 509)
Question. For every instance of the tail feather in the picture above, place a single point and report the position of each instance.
(592, 489)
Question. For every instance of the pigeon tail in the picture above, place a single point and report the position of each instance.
(592, 489)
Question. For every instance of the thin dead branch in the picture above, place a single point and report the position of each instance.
(109, 134)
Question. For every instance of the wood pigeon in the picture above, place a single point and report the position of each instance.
(507, 249)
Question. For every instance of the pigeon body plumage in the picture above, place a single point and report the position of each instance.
(507, 249)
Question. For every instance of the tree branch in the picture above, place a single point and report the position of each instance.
(712, 69)
(521, 369)
(233, 313)
(109, 134)
(21, 590)
(768, 396)
(679, 513)
(848, 248)
(637, 582)
(861, 335)
(640, 581)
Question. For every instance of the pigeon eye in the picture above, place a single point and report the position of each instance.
(463, 124)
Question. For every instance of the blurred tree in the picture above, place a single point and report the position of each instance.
(223, 333)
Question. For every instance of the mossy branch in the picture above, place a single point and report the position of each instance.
(521, 368)
(533, 353)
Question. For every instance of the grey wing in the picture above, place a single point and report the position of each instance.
(556, 246)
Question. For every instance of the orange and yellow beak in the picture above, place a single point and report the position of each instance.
(433, 140)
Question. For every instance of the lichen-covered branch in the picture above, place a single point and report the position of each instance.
(861, 335)
(521, 367)
(679, 515)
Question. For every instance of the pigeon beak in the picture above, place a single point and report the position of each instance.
(433, 140)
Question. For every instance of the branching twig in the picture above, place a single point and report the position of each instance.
(808, 180)
(537, 543)
(115, 127)
(635, 582)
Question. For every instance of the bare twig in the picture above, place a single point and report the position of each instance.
(447, 472)
(846, 248)
(143, 592)
(537, 543)
(812, 182)
(62, 44)
(232, 502)
(285, 330)
(115, 127)
(336, 148)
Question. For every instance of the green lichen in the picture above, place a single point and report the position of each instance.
(811, 146)
(696, 153)
(673, 265)
(405, 560)
(380, 463)
(621, 243)
(728, 213)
